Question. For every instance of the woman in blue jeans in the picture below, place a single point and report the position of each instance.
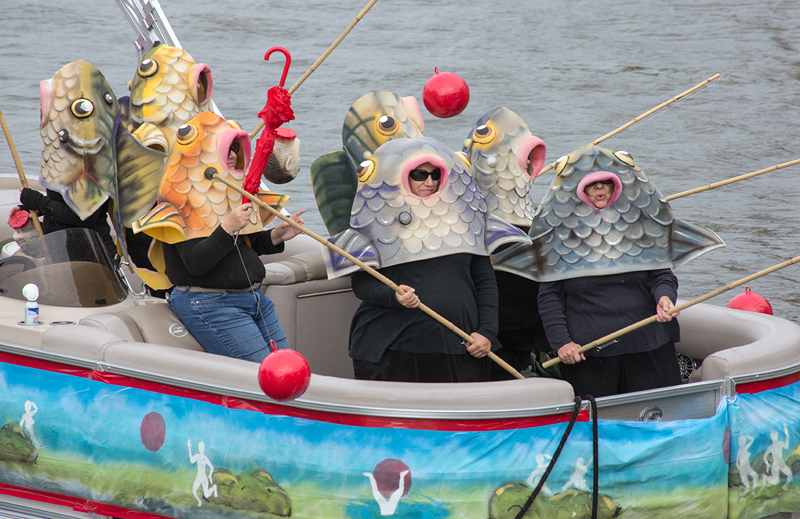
(217, 293)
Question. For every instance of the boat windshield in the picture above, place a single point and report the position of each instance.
(71, 268)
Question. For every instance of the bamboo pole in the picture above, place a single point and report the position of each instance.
(652, 319)
(212, 175)
(322, 58)
(637, 119)
(22, 179)
(733, 179)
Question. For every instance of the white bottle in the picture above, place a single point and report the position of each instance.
(31, 293)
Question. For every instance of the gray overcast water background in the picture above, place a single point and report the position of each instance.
(573, 69)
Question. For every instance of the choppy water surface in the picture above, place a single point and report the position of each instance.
(574, 69)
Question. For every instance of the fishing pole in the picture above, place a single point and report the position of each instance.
(22, 179)
(321, 58)
(637, 119)
(732, 180)
(211, 174)
(676, 309)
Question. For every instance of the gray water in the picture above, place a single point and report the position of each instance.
(574, 69)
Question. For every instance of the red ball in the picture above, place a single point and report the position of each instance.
(284, 375)
(751, 302)
(445, 94)
(387, 477)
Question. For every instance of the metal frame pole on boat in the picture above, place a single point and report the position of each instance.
(211, 174)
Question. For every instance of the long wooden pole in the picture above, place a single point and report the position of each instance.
(210, 175)
(22, 179)
(322, 58)
(733, 179)
(637, 119)
(652, 319)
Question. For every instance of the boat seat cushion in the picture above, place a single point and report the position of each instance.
(307, 266)
(153, 323)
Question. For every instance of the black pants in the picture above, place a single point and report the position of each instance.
(603, 376)
(402, 366)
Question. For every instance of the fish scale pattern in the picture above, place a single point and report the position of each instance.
(389, 225)
(168, 98)
(506, 188)
(82, 166)
(191, 201)
(633, 232)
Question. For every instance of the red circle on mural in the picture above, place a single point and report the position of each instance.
(153, 430)
(387, 476)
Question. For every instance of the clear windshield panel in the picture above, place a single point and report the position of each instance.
(71, 268)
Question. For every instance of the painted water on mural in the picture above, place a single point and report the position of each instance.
(574, 70)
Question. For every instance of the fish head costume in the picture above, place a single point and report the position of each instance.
(390, 224)
(634, 230)
(79, 114)
(374, 119)
(189, 204)
(506, 158)
(169, 88)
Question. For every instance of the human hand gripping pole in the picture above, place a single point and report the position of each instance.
(644, 322)
(212, 174)
(18, 164)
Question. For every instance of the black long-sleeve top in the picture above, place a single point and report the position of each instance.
(219, 261)
(584, 309)
(459, 287)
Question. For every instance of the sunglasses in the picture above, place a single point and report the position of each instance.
(420, 175)
(235, 146)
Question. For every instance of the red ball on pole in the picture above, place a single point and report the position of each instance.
(445, 94)
(751, 302)
(284, 375)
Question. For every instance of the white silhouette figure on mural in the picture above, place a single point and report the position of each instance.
(202, 478)
(746, 472)
(577, 478)
(777, 466)
(388, 506)
(538, 472)
(26, 424)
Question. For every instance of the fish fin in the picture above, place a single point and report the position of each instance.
(500, 232)
(335, 184)
(164, 223)
(84, 196)
(139, 172)
(355, 244)
(275, 200)
(689, 241)
(155, 279)
(519, 259)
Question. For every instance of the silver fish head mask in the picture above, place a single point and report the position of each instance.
(376, 118)
(390, 224)
(506, 158)
(79, 113)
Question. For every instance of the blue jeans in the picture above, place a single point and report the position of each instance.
(235, 324)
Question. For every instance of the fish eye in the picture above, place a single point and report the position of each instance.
(387, 125)
(236, 125)
(186, 134)
(624, 157)
(561, 164)
(63, 135)
(108, 98)
(82, 108)
(483, 134)
(366, 171)
(148, 67)
(465, 158)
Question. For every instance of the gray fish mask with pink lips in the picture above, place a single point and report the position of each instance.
(634, 231)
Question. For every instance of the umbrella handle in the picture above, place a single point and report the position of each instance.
(285, 67)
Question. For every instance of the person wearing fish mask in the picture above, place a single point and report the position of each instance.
(604, 243)
(419, 217)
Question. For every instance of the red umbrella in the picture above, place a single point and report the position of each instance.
(276, 111)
